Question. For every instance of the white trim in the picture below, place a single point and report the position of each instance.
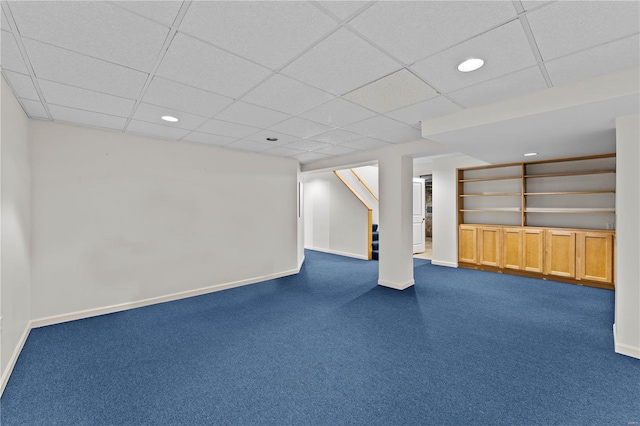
(442, 263)
(154, 300)
(300, 263)
(339, 253)
(396, 286)
(623, 349)
(14, 358)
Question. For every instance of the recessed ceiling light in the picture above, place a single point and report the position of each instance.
(530, 154)
(471, 64)
(272, 139)
(169, 118)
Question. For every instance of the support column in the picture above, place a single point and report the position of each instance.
(395, 180)
(626, 330)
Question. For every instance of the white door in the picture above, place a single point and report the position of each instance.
(418, 215)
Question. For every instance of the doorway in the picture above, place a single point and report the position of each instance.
(428, 206)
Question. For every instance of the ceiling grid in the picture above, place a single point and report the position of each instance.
(323, 78)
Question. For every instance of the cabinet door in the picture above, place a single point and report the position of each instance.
(560, 253)
(467, 244)
(533, 250)
(489, 246)
(594, 256)
(512, 248)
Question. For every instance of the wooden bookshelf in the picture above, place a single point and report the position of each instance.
(550, 218)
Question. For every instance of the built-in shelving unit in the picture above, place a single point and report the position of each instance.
(540, 210)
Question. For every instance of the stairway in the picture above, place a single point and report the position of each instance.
(374, 241)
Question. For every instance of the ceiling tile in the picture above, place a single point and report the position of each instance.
(262, 136)
(396, 90)
(22, 84)
(343, 9)
(412, 30)
(198, 64)
(336, 136)
(34, 109)
(87, 118)
(504, 50)
(74, 97)
(185, 98)
(400, 135)
(258, 30)
(287, 95)
(208, 139)
(308, 145)
(340, 63)
(157, 130)
(4, 25)
(281, 151)
(366, 143)
(224, 128)
(63, 66)
(11, 56)
(163, 12)
(374, 125)
(431, 108)
(247, 145)
(308, 157)
(533, 4)
(152, 114)
(94, 28)
(565, 26)
(337, 113)
(603, 59)
(508, 86)
(335, 150)
(300, 127)
(252, 115)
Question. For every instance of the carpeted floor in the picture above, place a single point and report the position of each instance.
(330, 347)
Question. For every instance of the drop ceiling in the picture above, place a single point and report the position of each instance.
(321, 77)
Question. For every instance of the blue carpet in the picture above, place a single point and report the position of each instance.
(330, 347)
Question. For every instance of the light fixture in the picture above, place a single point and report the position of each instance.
(530, 154)
(470, 64)
(170, 118)
(272, 139)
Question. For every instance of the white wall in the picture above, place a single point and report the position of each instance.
(627, 320)
(445, 205)
(119, 218)
(369, 175)
(15, 230)
(335, 221)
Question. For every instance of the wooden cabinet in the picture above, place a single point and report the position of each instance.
(489, 246)
(594, 256)
(467, 244)
(560, 254)
(523, 249)
(512, 248)
(533, 250)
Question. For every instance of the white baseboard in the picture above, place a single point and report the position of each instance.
(57, 319)
(441, 263)
(396, 286)
(339, 253)
(14, 358)
(623, 349)
(300, 263)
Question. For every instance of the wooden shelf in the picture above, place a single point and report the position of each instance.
(504, 194)
(489, 179)
(569, 210)
(505, 210)
(586, 172)
(609, 191)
